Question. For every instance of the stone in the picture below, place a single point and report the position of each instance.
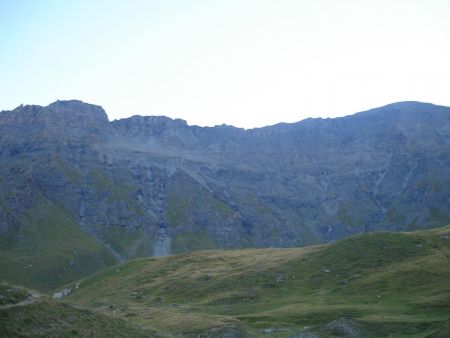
(61, 294)
(163, 186)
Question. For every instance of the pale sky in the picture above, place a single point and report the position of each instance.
(247, 63)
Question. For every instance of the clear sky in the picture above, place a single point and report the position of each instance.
(242, 62)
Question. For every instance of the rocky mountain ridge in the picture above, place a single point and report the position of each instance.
(149, 185)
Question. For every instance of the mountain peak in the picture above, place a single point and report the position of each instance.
(72, 113)
(402, 109)
(72, 104)
(79, 109)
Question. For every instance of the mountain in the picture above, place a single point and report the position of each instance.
(79, 193)
(369, 285)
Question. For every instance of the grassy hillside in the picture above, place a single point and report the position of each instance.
(379, 284)
(43, 317)
(48, 249)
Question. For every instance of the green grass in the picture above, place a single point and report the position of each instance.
(186, 242)
(47, 318)
(128, 243)
(117, 192)
(11, 295)
(185, 196)
(48, 249)
(69, 170)
(388, 283)
(439, 216)
(178, 209)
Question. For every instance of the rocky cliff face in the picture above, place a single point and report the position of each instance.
(153, 186)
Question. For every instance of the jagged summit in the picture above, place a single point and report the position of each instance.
(80, 109)
(73, 113)
(148, 125)
(76, 106)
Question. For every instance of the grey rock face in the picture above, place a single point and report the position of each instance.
(342, 327)
(153, 185)
(306, 334)
(223, 332)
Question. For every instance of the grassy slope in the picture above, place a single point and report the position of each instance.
(186, 242)
(49, 249)
(11, 295)
(390, 283)
(45, 317)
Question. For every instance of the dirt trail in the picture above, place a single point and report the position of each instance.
(32, 297)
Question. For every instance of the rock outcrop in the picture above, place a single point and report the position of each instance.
(152, 185)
